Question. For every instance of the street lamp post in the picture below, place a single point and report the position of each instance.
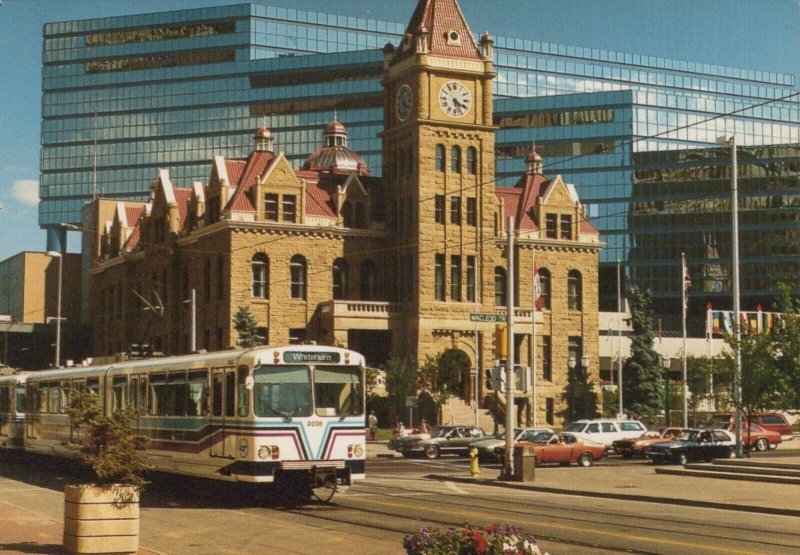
(665, 362)
(730, 140)
(56, 254)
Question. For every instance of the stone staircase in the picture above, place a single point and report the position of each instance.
(456, 411)
(751, 470)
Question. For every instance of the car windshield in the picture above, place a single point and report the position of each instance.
(442, 432)
(542, 437)
(575, 427)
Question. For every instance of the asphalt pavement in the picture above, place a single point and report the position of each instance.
(31, 512)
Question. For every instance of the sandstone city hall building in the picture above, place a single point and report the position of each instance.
(406, 265)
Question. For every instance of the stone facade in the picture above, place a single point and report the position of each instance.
(394, 267)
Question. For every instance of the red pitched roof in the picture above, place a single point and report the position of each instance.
(438, 18)
(183, 197)
(521, 200)
(244, 176)
(134, 216)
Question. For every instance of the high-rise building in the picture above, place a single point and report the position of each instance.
(123, 95)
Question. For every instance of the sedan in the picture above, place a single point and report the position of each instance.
(564, 449)
(757, 438)
(636, 446)
(487, 446)
(447, 439)
(699, 445)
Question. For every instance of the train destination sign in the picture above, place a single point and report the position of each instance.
(311, 356)
(486, 317)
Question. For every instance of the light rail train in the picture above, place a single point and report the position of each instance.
(290, 414)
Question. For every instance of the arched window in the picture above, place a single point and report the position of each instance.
(574, 290)
(339, 279)
(499, 286)
(439, 158)
(297, 269)
(544, 289)
(472, 160)
(260, 267)
(368, 280)
(455, 159)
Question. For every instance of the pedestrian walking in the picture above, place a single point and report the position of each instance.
(372, 422)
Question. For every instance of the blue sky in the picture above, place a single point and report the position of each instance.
(759, 34)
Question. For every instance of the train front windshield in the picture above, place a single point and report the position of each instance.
(286, 391)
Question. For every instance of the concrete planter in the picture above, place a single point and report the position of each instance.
(101, 519)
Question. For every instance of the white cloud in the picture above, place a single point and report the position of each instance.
(26, 191)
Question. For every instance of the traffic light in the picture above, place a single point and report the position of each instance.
(501, 342)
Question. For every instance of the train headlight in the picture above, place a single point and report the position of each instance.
(355, 450)
(269, 452)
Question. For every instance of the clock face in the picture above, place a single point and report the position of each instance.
(404, 102)
(455, 99)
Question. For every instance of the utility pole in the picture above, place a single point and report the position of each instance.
(621, 413)
(730, 140)
(510, 381)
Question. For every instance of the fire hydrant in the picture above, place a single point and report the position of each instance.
(474, 469)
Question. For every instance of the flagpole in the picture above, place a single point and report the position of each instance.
(685, 286)
(536, 293)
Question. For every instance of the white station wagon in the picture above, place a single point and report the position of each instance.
(606, 431)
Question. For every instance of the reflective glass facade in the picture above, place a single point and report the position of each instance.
(127, 95)
(681, 203)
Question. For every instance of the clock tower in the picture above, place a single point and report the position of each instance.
(439, 171)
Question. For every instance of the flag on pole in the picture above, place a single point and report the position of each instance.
(537, 288)
(687, 283)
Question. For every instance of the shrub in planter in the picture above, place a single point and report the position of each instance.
(495, 539)
(103, 517)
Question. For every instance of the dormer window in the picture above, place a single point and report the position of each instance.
(453, 38)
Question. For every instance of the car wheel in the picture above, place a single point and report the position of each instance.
(682, 458)
(432, 451)
(762, 444)
(585, 459)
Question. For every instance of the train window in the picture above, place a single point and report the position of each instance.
(282, 391)
(53, 398)
(230, 393)
(158, 394)
(21, 397)
(217, 395)
(142, 394)
(5, 399)
(177, 393)
(65, 393)
(337, 391)
(119, 388)
(244, 393)
(197, 404)
(134, 390)
(94, 385)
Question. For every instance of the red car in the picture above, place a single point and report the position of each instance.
(563, 449)
(757, 438)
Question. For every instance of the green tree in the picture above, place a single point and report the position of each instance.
(402, 380)
(441, 375)
(643, 386)
(246, 325)
(698, 375)
(786, 338)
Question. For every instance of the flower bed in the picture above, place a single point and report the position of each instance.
(495, 539)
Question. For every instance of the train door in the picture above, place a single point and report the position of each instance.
(223, 412)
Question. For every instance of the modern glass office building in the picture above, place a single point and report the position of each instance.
(124, 96)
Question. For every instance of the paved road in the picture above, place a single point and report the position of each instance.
(182, 516)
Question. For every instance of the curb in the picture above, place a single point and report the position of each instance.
(622, 496)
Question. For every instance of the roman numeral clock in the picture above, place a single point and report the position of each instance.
(455, 99)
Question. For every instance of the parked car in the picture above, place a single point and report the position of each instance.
(757, 438)
(487, 445)
(446, 439)
(636, 446)
(606, 431)
(397, 442)
(564, 449)
(699, 445)
(774, 421)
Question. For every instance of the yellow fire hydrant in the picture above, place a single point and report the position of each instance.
(474, 469)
